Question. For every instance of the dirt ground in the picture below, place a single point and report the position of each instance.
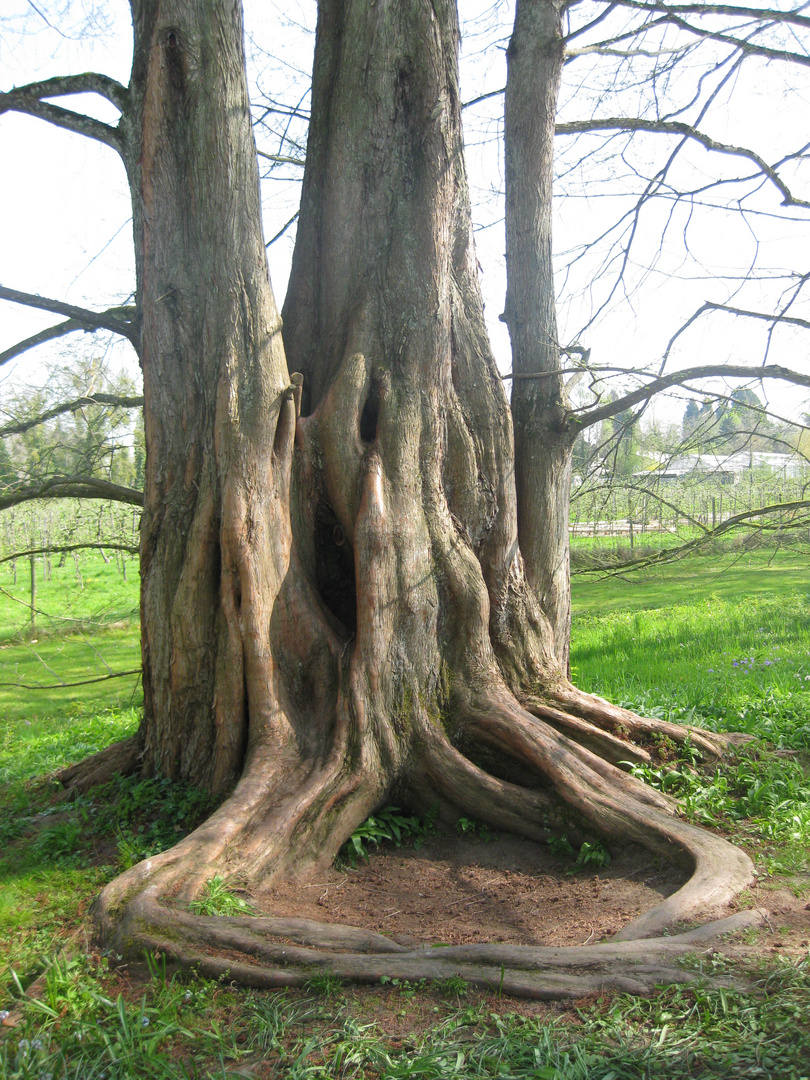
(456, 889)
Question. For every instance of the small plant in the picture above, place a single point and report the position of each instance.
(324, 985)
(470, 827)
(60, 840)
(595, 854)
(561, 847)
(133, 849)
(389, 824)
(453, 986)
(217, 899)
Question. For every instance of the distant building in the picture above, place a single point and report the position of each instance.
(728, 468)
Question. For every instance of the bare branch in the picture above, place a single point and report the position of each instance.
(281, 159)
(793, 18)
(792, 320)
(677, 378)
(282, 230)
(745, 46)
(683, 130)
(86, 319)
(89, 82)
(58, 549)
(64, 685)
(116, 401)
(29, 100)
(71, 487)
(60, 330)
(670, 554)
(711, 306)
(645, 489)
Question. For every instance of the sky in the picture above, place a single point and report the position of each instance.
(64, 206)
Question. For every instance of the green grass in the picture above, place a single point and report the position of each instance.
(733, 645)
(648, 641)
(728, 575)
(95, 596)
(85, 630)
(90, 1023)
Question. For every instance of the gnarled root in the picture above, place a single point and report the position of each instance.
(121, 758)
(288, 822)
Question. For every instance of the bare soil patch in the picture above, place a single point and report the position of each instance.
(456, 890)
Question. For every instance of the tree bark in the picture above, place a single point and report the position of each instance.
(214, 369)
(335, 605)
(544, 438)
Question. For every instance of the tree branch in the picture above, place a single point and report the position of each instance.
(670, 554)
(71, 487)
(735, 371)
(65, 685)
(29, 100)
(115, 400)
(709, 305)
(734, 10)
(88, 82)
(683, 130)
(83, 317)
(745, 46)
(60, 330)
(58, 549)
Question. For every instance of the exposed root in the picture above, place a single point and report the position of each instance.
(626, 725)
(121, 758)
(268, 953)
(619, 805)
(146, 908)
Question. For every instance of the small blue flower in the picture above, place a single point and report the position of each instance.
(145, 1021)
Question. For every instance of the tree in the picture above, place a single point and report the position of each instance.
(355, 577)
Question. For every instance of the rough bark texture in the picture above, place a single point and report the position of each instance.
(543, 437)
(335, 605)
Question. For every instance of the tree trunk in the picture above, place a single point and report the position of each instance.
(544, 436)
(214, 369)
(335, 606)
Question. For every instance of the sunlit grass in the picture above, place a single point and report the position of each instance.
(85, 630)
(94, 593)
(714, 643)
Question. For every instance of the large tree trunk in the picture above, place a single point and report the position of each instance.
(214, 369)
(336, 609)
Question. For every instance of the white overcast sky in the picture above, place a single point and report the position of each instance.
(64, 206)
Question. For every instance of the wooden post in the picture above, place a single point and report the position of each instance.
(33, 595)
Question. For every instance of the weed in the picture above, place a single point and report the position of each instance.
(324, 985)
(389, 824)
(217, 899)
(593, 854)
(452, 986)
(561, 847)
(470, 827)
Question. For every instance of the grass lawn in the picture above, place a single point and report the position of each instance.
(727, 639)
(727, 646)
